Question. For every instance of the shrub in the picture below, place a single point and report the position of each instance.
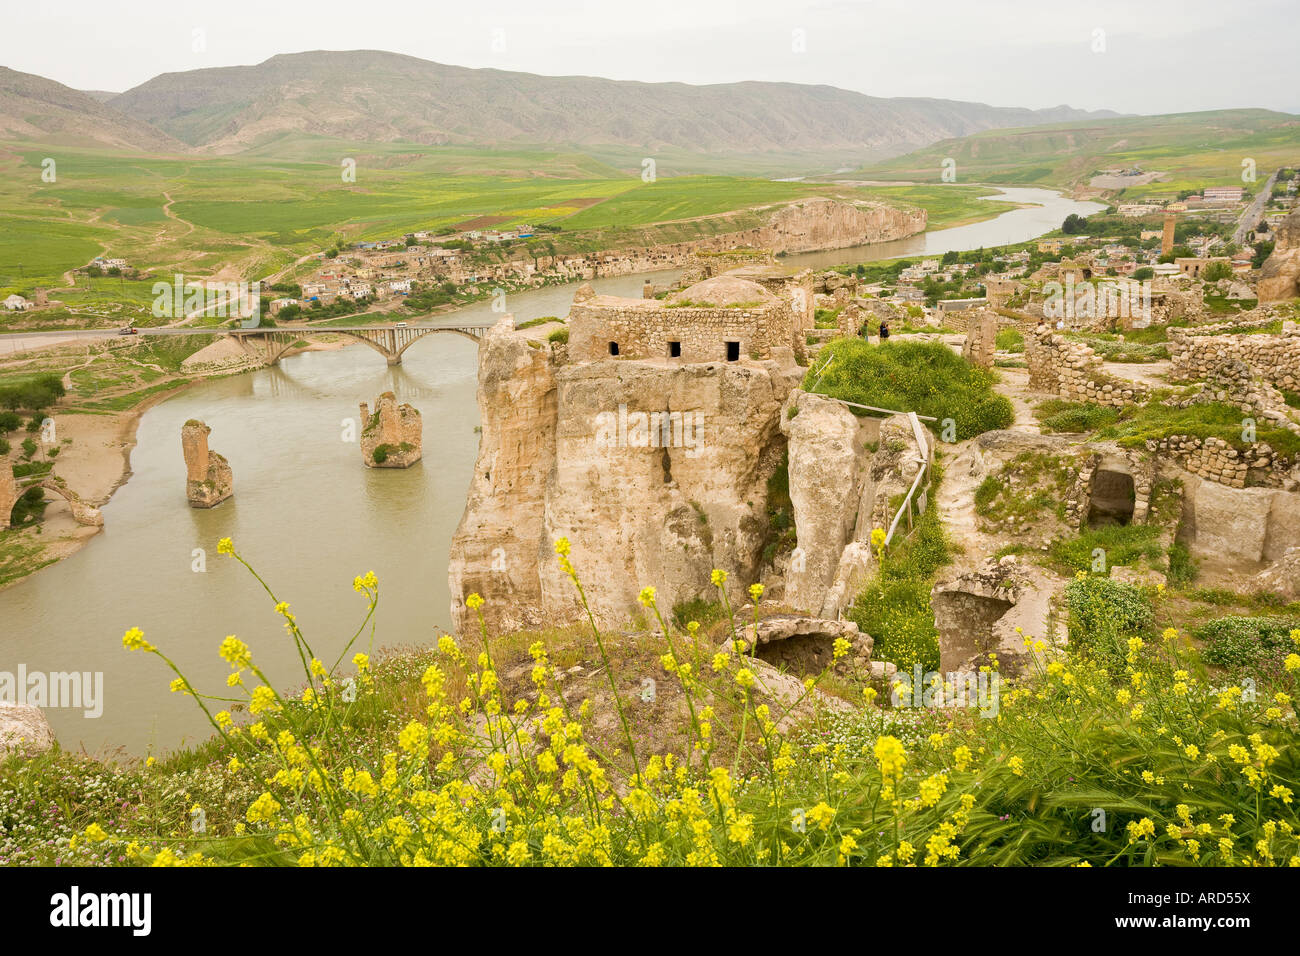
(1101, 615)
(1058, 415)
(1257, 644)
(1010, 340)
(923, 377)
(380, 454)
(559, 337)
(9, 421)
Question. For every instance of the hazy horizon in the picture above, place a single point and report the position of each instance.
(1161, 57)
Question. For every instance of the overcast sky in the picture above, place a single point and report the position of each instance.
(1141, 56)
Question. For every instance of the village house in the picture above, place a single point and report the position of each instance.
(16, 303)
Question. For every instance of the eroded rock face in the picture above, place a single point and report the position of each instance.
(826, 458)
(8, 494)
(499, 546)
(1239, 524)
(208, 478)
(831, 224)
(1279, 279)
(1283, 578)
(656, 472)
(24, 727)
(393, 436)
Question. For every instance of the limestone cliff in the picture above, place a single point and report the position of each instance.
(655, 471)
(393, 436)
(1280, 278)
(208, 478)
(816, 224)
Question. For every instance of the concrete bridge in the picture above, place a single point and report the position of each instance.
(390, 341)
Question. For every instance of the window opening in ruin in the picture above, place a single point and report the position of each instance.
(674, 349)
(613, 348)
(733, 351)
(1113, 496)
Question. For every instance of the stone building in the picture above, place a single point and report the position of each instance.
(723, 319)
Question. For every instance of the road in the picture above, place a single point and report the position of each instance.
(1254, 212)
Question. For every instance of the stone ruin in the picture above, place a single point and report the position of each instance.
(1073, 371)
(981, 339)
(392, 437)
(208, 478)
(978, 613)
(806, 645)
(723, 319)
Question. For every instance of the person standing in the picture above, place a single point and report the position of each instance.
(884, 330)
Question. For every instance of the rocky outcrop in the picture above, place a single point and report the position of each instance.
(1283, 578)
(8, 493)
(393, 436)
(208, 478)
(830, 224)
(24, 727)
(1279, 279)
(499, 544)
(656, 472)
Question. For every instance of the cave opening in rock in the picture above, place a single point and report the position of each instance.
(613, 348)
(733, 351)
(674, 349)
(1113, 496)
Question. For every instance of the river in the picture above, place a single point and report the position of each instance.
(306, 513)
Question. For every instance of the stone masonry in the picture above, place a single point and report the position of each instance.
(208, 478)
(1071, 370)
(393, 436)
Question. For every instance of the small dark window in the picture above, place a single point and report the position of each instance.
(613, 348)
(674, 349)
(733, 351)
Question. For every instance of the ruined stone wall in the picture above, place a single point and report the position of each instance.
(1215, 460)
(1199, 355)
(208, 477)
(565, 451)
(981, 339)
(646, 331)
(398, 429)
(1072, 371)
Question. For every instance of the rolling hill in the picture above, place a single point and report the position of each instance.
(368, 96)
(1205, 147)
(39, 110)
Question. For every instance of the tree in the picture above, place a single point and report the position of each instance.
(1074, 225)
(1216, 271)
(1262, 251)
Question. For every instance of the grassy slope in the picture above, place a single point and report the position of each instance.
(1200, 147)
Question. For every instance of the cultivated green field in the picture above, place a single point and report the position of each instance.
(255, 214)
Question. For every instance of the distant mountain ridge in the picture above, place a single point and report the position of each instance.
(386, 97)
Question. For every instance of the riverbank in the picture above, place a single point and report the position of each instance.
(94, 460)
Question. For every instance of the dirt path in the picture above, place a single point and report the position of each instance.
(1014, 384)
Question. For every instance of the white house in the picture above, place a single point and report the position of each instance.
(16, 303)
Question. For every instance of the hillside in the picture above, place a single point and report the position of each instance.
(367, 96)
(40, 110)
(1208, 145)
